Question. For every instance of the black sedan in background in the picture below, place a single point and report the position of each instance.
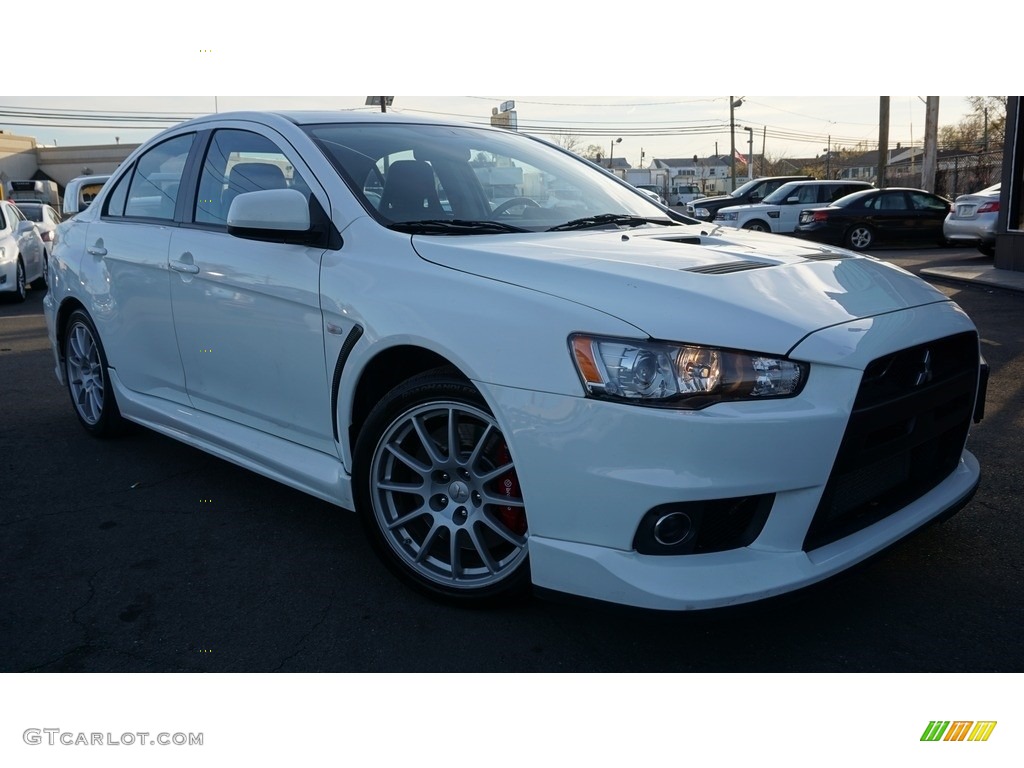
(877, 216)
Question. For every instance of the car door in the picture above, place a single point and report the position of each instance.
(125, 271)
(247, 312)
(789, 211)
(929, 212)
(891, 216)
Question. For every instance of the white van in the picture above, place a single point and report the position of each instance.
(80, 191)
(681, 194)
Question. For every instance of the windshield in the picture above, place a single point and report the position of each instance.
(32, 212)
(741, 190)
(780, 194)
(481, 181)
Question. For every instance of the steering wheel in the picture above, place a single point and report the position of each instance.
(512, 202)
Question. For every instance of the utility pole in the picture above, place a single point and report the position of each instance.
(883, 139)
(929, 163)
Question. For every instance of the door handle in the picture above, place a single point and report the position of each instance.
(96, 250)
(188, 269)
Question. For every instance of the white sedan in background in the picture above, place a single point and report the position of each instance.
(598, 399)
(779, 212)
(22, 254)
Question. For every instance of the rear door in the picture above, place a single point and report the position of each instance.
(789, 212)
(125, 271)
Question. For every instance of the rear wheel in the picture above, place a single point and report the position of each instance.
(85, 367)
(438, 493)
(860, 237)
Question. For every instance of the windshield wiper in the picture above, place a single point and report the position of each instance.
(453, 227)
(604, 219)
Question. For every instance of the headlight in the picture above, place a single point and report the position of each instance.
(680, 375)
(726, 216)
(702, 213)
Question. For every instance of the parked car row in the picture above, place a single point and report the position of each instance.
(856, 215)
(779, 211)
(754, 191)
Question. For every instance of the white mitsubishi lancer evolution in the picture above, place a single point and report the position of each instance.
(517, 369)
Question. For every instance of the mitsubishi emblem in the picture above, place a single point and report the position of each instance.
(924, 373)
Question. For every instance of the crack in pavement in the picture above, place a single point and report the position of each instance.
(301, 641)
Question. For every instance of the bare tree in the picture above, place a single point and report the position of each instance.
(982, 130)
(570, 141)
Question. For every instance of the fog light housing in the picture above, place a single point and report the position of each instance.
(696, 527)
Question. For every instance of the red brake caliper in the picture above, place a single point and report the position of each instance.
(514, 518)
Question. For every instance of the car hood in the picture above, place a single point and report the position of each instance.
(718, 199)
(699, 283)
(748, 207)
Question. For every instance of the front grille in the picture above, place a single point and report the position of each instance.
(905, 435)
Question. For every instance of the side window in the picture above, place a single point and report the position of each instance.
(237, 162)
(834, 191)
(117, 198)
(3, 220)
(153, 191)
(922, 202)
(892, 201)
(807, 194)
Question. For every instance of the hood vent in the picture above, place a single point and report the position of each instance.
(727, 267)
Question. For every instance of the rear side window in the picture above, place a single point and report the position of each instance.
(150, 189)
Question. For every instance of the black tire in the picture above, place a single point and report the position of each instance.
(757, 226)
(18, 294)
(40, 282)
(860, 237)
(988, 249)
(85, 368)
(431, 470)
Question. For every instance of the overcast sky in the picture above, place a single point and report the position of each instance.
(603, 74)
(660, 126)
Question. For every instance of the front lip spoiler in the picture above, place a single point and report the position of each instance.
(756, 607)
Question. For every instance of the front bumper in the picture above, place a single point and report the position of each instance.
(591, 471)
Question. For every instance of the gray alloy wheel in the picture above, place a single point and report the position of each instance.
(85, 367)
(757, 226)
(439, 494)
(860, 237)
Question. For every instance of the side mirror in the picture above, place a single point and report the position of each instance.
(278, 216)
(268, 213)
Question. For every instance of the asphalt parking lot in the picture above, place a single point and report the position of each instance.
(143, 555)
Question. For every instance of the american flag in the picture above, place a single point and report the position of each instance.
(740, 157)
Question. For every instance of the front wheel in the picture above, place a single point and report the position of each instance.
(860, 237)
(757, 226)
(437, 491)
